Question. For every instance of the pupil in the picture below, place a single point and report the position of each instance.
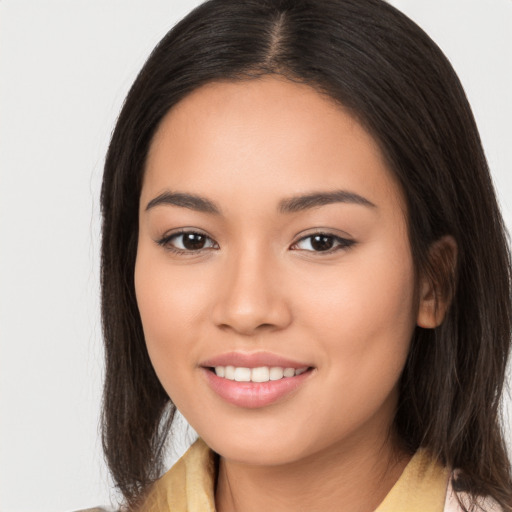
(193, 241)
(322, 242)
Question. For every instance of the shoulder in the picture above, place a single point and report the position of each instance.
(452, 504)
(97, 509)
(188, 485)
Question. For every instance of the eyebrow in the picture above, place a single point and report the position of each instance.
(305, 202)
(290, 205)
(191, 201)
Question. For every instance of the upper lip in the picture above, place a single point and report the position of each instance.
(252, 360)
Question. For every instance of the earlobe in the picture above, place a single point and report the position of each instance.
(430, 312)
(437, 283)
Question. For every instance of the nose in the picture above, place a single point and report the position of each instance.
(251, 295)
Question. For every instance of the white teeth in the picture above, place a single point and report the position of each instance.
(276, 373)
(260, 374)
(230, 373)
(289, 372)
(243, 374)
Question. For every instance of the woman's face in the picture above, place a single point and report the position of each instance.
(272, 242)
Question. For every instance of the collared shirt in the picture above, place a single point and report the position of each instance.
(189, 486)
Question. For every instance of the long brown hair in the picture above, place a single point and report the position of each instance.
(376, 62)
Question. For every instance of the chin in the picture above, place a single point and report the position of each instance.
(267, 447)
(256, 454)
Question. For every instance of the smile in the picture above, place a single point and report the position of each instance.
(260, 374)
(258, 387)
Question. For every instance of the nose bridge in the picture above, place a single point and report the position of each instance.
(251, 297)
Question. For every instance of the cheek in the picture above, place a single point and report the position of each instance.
(366, 320)
(363, 327)
(170, 303)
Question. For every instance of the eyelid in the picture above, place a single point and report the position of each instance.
(344, 241)
(165, 241)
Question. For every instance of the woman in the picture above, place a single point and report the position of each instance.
(302, 251)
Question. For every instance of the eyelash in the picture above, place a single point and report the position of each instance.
(339, 243)
(166, 242)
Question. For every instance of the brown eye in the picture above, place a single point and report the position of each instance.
(193, 241)
(321, 242)
(187, 241)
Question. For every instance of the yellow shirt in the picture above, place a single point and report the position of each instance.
(189, 485)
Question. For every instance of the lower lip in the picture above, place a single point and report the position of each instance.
(252, 395)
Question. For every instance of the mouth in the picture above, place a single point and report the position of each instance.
(256, 385)
(259, 374)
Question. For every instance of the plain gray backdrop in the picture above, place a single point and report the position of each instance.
(65, 67)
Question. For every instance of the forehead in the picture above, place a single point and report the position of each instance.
(269, 136)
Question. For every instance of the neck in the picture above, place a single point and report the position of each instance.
(357, 475)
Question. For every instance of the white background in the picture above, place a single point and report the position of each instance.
(65, 67)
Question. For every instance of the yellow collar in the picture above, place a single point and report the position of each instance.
(189, 485)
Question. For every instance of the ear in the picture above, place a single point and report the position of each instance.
(437, 283)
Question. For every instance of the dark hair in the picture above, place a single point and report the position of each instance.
(377, 63)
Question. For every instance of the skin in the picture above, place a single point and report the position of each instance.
(258, 285)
